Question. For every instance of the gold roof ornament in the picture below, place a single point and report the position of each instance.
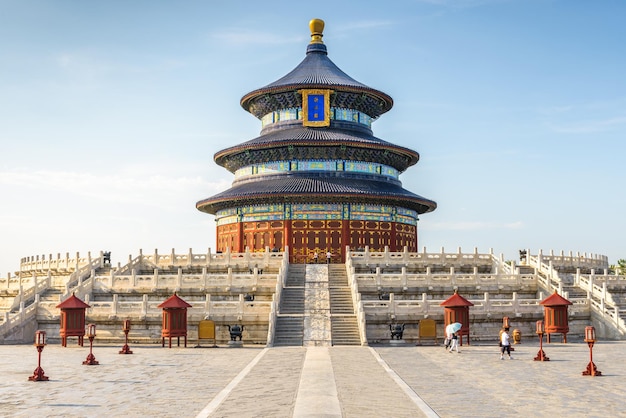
(317, 27)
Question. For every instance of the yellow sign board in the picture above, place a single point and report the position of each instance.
(206, 330)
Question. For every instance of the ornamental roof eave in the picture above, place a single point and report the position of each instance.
(211, 206)
(330, 143)
(235, 159)
(379, 102)
(313, 186)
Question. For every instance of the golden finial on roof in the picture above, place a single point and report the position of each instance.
(317, 27)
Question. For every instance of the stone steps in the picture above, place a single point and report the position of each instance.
(289, 326)
(289, 331)
(341, 301)
(292, 301)
(345, 330)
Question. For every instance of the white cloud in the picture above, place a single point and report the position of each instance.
(135, 186)
(470, 226)
(235, 36)
(589, 126)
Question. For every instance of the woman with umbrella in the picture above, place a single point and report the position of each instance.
(451, 333)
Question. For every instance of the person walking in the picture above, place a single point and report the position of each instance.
(505, 344)
(328, 256)
(454, 342)
(315, 256)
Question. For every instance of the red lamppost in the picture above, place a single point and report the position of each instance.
(91, 334)
(506, 323)
(541, 356)
(590, 339)
(126, 329)
(40, 342)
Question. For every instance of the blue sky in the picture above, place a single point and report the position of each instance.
(110, 113)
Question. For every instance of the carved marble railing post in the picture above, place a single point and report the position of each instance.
(114, 305)
(144, 306)
(486, 303)
(208, 257)
(405, 284)
(207, 305)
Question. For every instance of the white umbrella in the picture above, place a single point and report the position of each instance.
(453, 327)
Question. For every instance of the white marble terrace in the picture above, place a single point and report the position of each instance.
(417, 283)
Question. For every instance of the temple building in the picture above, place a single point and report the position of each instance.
(316, 179)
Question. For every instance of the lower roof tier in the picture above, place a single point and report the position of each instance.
(307, 188)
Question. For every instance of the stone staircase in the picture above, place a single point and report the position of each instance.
(344, 326)
(289, 327)
(291, 320)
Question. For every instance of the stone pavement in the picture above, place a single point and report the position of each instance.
(380, 381)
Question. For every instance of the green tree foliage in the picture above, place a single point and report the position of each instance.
(620, 268)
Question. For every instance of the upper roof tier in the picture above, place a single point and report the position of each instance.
(316, 71)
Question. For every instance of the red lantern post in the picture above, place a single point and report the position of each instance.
(40, 342)
(590, 339)
(541, 356)
(91, 334)
(126, 329)
(506, 322)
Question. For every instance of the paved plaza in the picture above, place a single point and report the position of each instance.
(379, 381)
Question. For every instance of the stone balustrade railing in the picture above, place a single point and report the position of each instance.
(40, 284)
(201, 282)
(452, 280)
(149, 309)
(62, 264)
(275, 305)
(572, 260)
(600, 299)
(24, 314)
(606, 280)
(356, 301)
(424, 258)
(599, 288)
(248, 259)
(514, 306)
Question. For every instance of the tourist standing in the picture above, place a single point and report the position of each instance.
(505, 344)
(328, 256)
(315, 256)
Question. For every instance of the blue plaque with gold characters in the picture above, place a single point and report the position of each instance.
(315, 107)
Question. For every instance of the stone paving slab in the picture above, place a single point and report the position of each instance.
(151, 382)
(476, 383)
(259, 382)
(365, 389)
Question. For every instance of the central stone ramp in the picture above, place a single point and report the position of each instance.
(317, 382)
(317, 329)
(317, 393)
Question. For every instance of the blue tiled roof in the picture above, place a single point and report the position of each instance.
(316, 68)
(300, 134)
(313, 188)
(318, 71)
